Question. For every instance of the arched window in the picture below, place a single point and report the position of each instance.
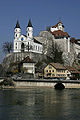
(28, 34)
(16, 35)
(22, 47)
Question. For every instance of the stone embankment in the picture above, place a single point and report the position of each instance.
(46, 83)
(24, 83)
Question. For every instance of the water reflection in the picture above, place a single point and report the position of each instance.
(39, 104)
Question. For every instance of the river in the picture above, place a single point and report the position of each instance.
(39, 104)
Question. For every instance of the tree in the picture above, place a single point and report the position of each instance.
(54, 53)
(48, 28)
(7, 47)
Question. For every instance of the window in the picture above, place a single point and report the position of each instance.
(16, 35)
(16, 47)
(28, 34)
(50, 67)
(16, 43)
(46, 70)
(53, 75)
(36, 47)
(49, 70)
(53, 70)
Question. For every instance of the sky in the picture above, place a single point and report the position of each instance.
(42, 13)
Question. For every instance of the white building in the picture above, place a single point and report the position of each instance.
(60, 37)
(26, 43)
(28, 65)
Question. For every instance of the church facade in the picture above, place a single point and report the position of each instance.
(26, 43)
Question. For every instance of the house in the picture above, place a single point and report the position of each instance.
(74, 73)
(55, 70)
(28, 65)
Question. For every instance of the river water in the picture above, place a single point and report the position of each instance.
(40, 104)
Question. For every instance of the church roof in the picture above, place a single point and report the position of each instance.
(17, 24)
(29, 23)
(36, 41)
(60, 33)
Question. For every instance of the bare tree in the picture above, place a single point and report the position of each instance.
(7, 47)
(48, 28)
(54, 53)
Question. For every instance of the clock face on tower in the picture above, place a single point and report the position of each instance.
(22, 38)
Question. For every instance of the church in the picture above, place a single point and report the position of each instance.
(26, 43)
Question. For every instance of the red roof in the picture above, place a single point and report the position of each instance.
(60, 33)
(72, 40)
(58, 66)
(72, 69)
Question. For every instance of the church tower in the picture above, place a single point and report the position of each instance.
(17, 31)
(29, 30)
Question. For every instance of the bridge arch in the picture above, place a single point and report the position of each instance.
(59, 86)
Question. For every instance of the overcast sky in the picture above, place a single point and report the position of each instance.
(42, 13)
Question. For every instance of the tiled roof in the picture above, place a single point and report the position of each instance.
(60, 33)
(76, 41)
(58, 66)
(27, 60)
(72, 69)
(72, 40)
(36, 41)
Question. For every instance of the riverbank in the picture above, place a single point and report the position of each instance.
(24, 83)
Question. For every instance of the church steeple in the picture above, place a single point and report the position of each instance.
(17, 24)
(17, 30)
(29, 23)
(29, 31)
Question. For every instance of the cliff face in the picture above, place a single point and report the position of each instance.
(47, 38)
(11, 61)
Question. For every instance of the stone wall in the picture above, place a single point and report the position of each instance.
(44, 84)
